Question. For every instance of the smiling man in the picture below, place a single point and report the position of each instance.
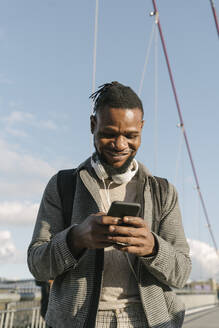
(107, 274)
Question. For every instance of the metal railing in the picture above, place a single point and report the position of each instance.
(19, 303)
(21, 318)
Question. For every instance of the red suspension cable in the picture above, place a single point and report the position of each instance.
(182, 125)
(215, 16)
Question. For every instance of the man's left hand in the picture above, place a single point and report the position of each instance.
(136, 237)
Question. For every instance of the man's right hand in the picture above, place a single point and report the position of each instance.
(91, 233)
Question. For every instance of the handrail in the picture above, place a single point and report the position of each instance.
(8, 318)
(20, 296)
(195, 292)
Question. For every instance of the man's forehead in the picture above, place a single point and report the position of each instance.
(120, 118)
(112, 111)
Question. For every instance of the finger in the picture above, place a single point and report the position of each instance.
(100, 213)
(107, 220)
(138, 232)
(123, 230)
(103, 230)
(97, 217)
(101, 240)
(124, 240)
(130, 249)
(135, 221)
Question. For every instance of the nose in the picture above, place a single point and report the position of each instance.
(120, 143)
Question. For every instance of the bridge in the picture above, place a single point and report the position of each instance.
(203, 319)
(201, 307)
(20, 306)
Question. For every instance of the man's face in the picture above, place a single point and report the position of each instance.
(117, 134)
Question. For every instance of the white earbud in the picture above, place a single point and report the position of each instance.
(117, 178)
(99, 169)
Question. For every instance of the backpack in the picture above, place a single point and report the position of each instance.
(66, 183)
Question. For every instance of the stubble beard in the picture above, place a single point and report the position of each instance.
(110, 170)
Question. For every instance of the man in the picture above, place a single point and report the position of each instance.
(107, 274)
(45, 288)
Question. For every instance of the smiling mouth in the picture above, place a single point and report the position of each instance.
(116, 154)
(116, 162)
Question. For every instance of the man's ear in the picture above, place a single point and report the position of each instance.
(142, 123)
(93, 122)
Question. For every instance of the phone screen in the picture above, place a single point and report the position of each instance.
(121, 209)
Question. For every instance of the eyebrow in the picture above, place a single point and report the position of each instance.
(111, 129)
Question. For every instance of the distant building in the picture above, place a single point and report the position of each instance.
(208, 285)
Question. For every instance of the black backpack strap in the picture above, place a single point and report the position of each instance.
(66, 184)
(159, 191)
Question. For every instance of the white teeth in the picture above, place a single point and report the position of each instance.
(117, 154)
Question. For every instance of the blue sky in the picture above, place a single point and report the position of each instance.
(45, 81)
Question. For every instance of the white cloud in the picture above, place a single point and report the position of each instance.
(48, 125)
(7, 248)
(9, 254)
(13, 161)
(16, 132)
(3, 79)
(22, 176)
(205, 260)
(18, 117)
(18, 212)
(29, 189)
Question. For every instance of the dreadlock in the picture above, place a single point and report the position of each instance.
(115, 95)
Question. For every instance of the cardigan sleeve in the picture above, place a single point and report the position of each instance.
(48, 253)
(171, 265)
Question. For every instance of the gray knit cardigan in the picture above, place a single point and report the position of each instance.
(75, 292)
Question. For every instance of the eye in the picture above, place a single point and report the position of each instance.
(131, 136)
(106, 135)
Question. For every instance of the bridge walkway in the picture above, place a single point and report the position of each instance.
(204, 319)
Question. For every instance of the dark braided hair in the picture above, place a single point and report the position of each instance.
(115, 95)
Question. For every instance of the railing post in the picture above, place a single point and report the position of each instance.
(2, 319)
(38, 318)
(7, 318)
(33, 317)
(11, 319)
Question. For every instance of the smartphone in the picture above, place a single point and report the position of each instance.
(121, 209)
